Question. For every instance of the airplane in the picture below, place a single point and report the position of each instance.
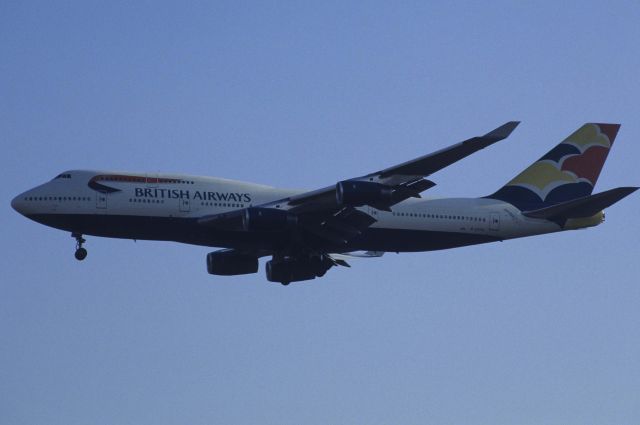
(308, 232)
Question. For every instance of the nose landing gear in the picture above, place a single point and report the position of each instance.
(81, 253)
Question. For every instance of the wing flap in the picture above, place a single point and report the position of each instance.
(342, 226)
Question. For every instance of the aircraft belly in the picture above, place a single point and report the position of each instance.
(409, 240)
(175, 229)
(187, 230)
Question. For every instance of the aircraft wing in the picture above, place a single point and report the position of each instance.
(331, 213)
(405, 180)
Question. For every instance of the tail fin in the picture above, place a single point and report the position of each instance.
(568, 171)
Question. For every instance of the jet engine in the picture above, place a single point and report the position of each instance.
(229, 262)
(296, 270)
(267, 219)
(356, 193)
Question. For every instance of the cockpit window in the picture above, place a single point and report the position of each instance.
(63, 176)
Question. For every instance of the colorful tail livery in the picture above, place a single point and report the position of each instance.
(567, 172)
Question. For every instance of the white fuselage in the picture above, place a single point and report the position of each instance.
(91, 195)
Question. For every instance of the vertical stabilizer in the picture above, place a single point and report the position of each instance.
(568, 171)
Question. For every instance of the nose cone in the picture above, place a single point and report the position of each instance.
(17, 204)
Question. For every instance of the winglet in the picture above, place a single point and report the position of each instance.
(502, 132)
(430, 163)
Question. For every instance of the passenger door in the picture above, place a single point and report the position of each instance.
(494, 221)
(185, 204)
(101, 200)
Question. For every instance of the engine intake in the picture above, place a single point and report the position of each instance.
(356, 193)
(267, 219)
(230, 263)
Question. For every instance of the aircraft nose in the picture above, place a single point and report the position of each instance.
(17, 204)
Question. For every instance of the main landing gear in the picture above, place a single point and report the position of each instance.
(81, 253)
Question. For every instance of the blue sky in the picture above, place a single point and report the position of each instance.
(537, 330)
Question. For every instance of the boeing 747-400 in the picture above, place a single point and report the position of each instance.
(308, 232)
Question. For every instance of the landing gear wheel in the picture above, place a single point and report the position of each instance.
(81, 254)
(285, 283)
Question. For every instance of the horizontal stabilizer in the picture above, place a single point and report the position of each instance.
(582, 207)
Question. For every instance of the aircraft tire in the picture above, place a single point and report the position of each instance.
(80, 254)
